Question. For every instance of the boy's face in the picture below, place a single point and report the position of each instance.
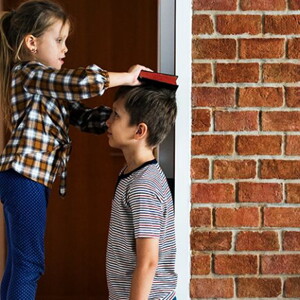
(120, 133)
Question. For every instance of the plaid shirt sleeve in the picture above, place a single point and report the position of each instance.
(66, 84)
(92, 120)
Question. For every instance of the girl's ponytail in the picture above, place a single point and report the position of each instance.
(6, 63)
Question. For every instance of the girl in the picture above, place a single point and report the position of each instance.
(39, 101)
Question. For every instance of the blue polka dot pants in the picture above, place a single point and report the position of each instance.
(25, 203)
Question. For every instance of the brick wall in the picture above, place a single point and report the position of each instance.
(245, 166)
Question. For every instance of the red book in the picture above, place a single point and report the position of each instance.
(165, 80)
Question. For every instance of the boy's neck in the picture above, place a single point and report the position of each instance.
(137, 157)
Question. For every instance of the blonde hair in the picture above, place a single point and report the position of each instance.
(31, 17)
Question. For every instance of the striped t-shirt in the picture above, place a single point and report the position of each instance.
(142, 208)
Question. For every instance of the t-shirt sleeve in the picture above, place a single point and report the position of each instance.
(146, 212)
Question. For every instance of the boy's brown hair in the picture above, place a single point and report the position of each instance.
(153, 105)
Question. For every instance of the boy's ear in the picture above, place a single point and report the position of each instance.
(141, 132)
(30, 42)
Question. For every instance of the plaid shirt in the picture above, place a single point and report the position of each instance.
(44, 103)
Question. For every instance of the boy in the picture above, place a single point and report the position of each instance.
(141, 244)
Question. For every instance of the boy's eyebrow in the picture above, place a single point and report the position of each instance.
(115, 106)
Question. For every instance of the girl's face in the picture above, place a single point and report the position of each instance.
(51, 46)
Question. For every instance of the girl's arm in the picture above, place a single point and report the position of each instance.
(74, 84)
(127, 78)
(146, 265)
(91, 120)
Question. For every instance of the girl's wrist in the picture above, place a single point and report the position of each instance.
(128, 78)
(119, 78)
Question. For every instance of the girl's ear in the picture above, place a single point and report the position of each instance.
(31, 43)
(141, 132)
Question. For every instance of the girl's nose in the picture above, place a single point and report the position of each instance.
(65, 49)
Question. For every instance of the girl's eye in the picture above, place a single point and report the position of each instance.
(59, 40)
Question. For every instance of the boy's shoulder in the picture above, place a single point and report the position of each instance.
(149, 171)
(151, 177)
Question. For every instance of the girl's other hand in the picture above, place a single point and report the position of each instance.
(134, 72)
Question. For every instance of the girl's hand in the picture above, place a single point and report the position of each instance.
(134, 72)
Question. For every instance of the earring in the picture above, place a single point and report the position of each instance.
(33, 50)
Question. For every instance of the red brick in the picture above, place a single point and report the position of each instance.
(260, 96)
(281, 121)
(213, 97)
(280, 264)
(236, 264)
(291, 241)
(202, 73)
(215, 5)
(237, 72)
(211, 241)
(234, 169)
(257, 241)
(293, 193)
(213, 193)
(237, 217)
(285, 72)
(200, 264)
(214, 49)
(258, 287)
(261, 48)
(260, 192)
(292, 287)
(281, 169)
(201, 217)
(239, 24)
(263, 5)
(236, 120)
(293, 49)
(212, 287)
(292, 145)
(202, 24)
(212, 144)
(259, 145)
(282, 217)
(282, 24)
(294, 4)
(292, 95)
(199, 168)
(201, 120)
